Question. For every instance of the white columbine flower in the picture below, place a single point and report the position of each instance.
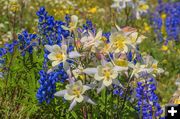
(119, 42)
(59, 54)
(152, 63)
(106, 75)
(138, 68)
(74, 92)
(73, 23)
(120, 4)
(141, 7)
(91, 41)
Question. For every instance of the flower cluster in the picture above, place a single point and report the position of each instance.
(166, 21)
(139, 7)
(147, 99)
(26, 42)
(85, 59)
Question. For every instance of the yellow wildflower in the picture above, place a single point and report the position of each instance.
(93, 10)
(164, 48)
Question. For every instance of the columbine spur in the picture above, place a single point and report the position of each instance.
(74, 92)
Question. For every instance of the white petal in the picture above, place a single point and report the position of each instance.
(116, 82)
(84, 39)
(114, 75)
(60, 93)
(100, 87)
(118, 68)
(107, 82)
(73, 103)
(74, 19)
(52, 56)
(90, 71)
(55, 63)
(68, 97)
(65, 28)
(79, 99)
(66, 66)
(74, 54)
(85, 88)
(99, 35)
(56, 48)
(97, 77)
(49, 48)
(87, 99)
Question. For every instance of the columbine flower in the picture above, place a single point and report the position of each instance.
(120, 4)
(152, 63)
(73, 24)
(59, 54)
(74, 92)
(138, 68)
(119, 42)
(91, 41)
(133, 35)
(106, 74)
(142, 7)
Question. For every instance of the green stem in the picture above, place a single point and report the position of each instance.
(105, 116)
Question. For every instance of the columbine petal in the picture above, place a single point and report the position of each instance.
(87, 99)
(99, 35)
(100, 87)
(68, 97)
(65, 28)
(90, 71)
(107, 82)
(74, 54)
(118, 68)
(60, 93)
(49, 48)
(55, 63)
(97, 77)
(66, 66)
(56, 48)
(80, 98)
(73, 103)
(74, 19)
(52, 56)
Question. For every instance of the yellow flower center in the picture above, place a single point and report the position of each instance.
(121, 62)
(163, 16)
(76, 91)
(119, 41)
(154, 66)
(107, 74)
(60, 56)
(143, 7)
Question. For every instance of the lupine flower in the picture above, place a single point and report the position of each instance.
(74, 92)
(147, 100)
